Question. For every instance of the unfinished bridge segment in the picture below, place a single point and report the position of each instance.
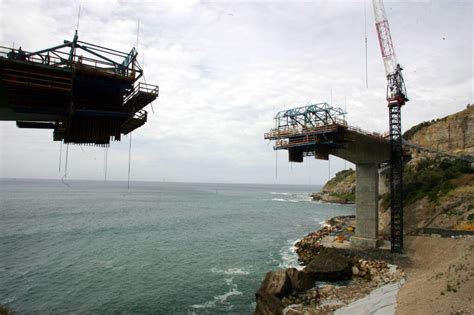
(86, 93)
(320, 130)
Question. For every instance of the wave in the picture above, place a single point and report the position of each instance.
(285, 200)
(230, 271)
(306, 199)
(280, 193)
(289, 258)
(8, 300)
(323, 223)
(222, 298)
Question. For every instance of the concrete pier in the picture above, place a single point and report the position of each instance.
(367, 197)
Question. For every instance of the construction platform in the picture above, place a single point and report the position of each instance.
(314, 130)
(85, 93)
(320, 130)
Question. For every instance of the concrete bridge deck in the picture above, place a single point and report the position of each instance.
(365, 149)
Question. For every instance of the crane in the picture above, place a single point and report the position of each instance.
(396, 98)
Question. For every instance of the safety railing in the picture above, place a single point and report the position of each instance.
(142, 88)
(62, 59)
(301, 131)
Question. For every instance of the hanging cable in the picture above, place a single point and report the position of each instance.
(67, 155)
(129, 159)
(309, 171)
(329, 167)
(276, 164)
(365, 29)
(60, 155)
(106, 158)
(65, 167)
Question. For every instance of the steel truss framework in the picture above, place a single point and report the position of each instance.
(396, 178)
(77, 53)
(309, 116)
(85, 92)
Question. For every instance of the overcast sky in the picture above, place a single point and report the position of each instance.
(226, 67)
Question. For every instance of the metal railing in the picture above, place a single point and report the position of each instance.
(143, 88)
(287, 132)
(61, 59)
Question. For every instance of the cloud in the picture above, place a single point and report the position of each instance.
(225, 67)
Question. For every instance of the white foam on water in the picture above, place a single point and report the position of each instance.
(222, 298)
(323, 223)
(293, 198)
(230, 271)
(8, 300)
(280, 193)
(289, 258)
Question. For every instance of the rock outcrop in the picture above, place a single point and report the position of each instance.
(340, 189)
(278, 285)
(439, 190)
(330, 265)
(313, 290)
(308, 247)
(452, 134)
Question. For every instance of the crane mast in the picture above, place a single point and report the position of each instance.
(396, 98)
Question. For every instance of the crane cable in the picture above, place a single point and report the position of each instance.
(129, 159)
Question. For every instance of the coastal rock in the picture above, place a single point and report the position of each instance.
(300, 280)
(276, 283)
(355, 270)
(276, 286)
(330, 265)
(453, 134)
(268, 304)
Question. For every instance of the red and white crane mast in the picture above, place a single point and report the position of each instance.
(396, 97)
(396, 91)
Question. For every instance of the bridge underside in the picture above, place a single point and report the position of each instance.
(85, 98)
(366, 151)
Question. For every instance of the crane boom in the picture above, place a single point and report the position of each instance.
(396, 97)
(385, 38)
(396, 91)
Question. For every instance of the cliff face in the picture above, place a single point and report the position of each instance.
(439, 191)
(340, 189)
(452, 134)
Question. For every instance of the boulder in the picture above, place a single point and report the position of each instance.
(276, 283)
(268, 304)
(355, 270)
(275, 286)
(330, 265)
(300, 280)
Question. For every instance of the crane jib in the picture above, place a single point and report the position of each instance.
(385, 39)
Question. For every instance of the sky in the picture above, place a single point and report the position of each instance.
(226, 67)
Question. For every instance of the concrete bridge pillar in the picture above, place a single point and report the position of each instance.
(367, 197)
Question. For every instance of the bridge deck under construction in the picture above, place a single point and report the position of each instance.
(313, 130)
(85, 93)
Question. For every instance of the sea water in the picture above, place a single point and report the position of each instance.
(157, 248)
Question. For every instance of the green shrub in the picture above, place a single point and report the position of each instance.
(432, 178)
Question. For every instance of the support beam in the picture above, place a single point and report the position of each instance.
(367, 184)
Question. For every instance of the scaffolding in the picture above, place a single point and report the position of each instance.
(300, 125)
(86, 93)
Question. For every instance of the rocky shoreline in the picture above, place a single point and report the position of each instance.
(333, 276)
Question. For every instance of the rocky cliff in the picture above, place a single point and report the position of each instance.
(340, 189)
(452, 134)
(438, 190)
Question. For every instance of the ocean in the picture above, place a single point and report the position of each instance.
(158, 248)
